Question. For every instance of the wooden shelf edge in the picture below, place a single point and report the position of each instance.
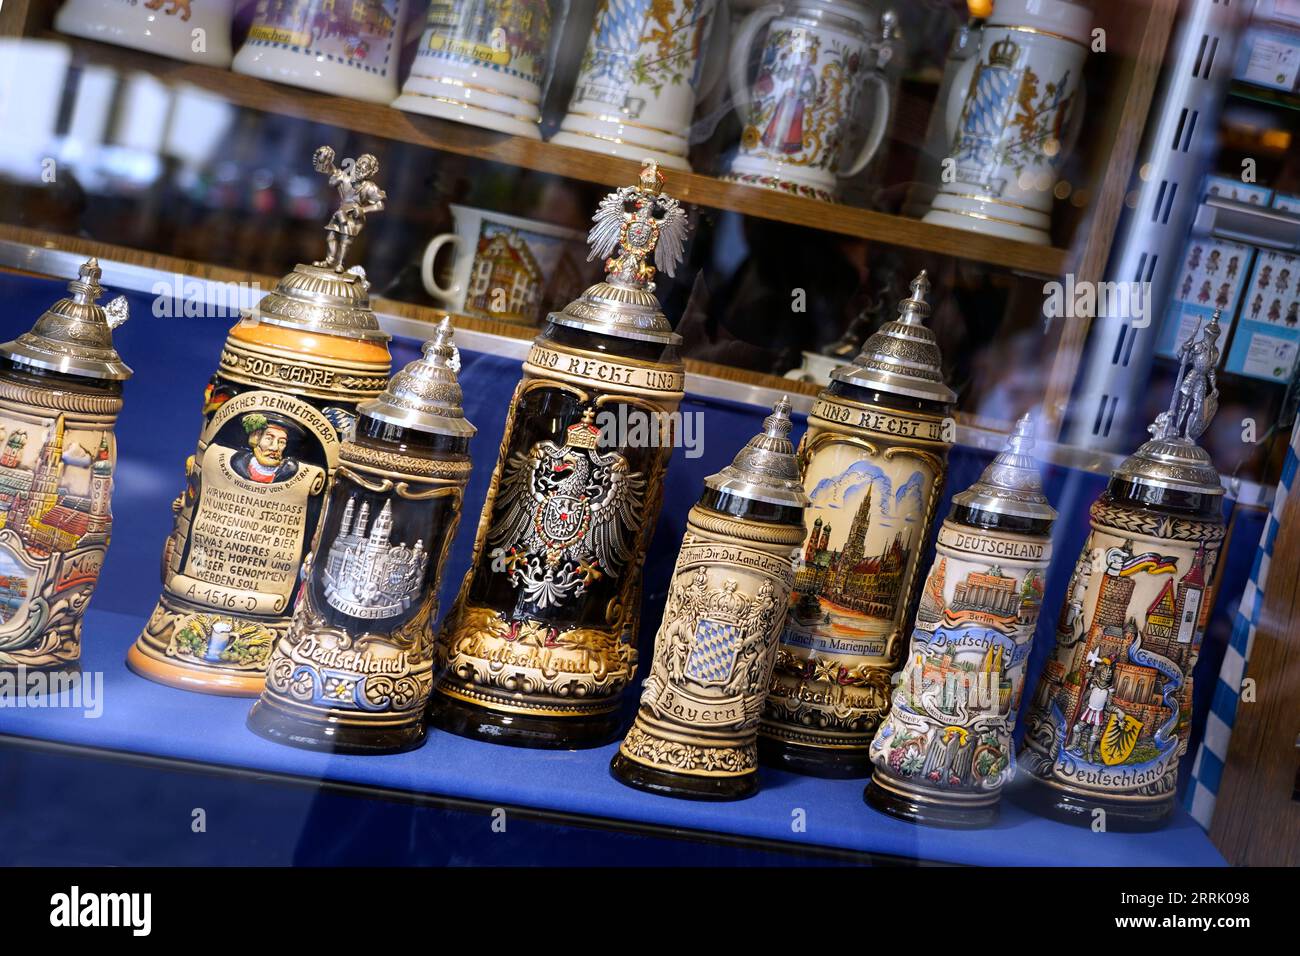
(974, 431)
(173, 265)
(446, 136)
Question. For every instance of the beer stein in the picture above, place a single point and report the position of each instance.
(482, 62)
(345, 49)
(541, 642)
(944, 750)
(1012, 116)
(1111, 715)
(873, 461)
(354, 671)
(696, 733)
(820, 58)
(640, 75)
(284, 396)
(194, 30)
(60, 393)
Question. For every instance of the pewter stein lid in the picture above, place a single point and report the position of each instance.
(902, 357)
(765, 469)
(632, 225)
(426, 395)
(1172, 459)
(325, 296)
(74, 336)
(1010, 485)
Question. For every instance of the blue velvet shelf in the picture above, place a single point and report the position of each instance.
(173, 358)
(141, 717)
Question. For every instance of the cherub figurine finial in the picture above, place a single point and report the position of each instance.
(358, 197)
(633, 222)
(1196, 393)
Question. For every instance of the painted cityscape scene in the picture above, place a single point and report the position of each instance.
(501, 32)
(363, 27)
(1115, 693)
(13, 585)
(963, 677)
(849, 578)
(55, 490)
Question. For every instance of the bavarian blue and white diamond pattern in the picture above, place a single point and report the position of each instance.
(713, 652)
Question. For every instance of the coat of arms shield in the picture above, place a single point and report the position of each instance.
(713, 652)
(1119, 738)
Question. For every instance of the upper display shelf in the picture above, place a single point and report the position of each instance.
(829, 150)
(547, 157)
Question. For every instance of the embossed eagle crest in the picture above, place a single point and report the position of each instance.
(567, 515)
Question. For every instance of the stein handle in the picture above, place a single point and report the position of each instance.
(738, 61)
(716, 68)
(879, 123)
(427, 276)
(955, 104)
(1078, 109)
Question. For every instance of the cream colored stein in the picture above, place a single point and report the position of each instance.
(194, 30)
(482, 62)
(820, 58)
(640, 76)
(1013, 115)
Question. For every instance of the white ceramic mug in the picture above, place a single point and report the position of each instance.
(640, 76)
(1013, 114)
(194, 30)
(482, 62)
(819, 57)
(342, 47)
(506, 267)
(816, 368)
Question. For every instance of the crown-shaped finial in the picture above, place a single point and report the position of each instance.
(651, 179)
(634, 223)
(85, 288)
(441, 349)
(766, 468)
(778, 424)
(1021, 439)
(1010, 484)
(358, 197)
(916, 307)
(426, 395)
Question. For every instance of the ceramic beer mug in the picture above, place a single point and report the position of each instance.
(482, 62)
(820, 58)
(345, 49)
(640, 75)
(194, 30)
(1013, 115)
(505, 267)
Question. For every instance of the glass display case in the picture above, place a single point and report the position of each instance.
(1026, 274)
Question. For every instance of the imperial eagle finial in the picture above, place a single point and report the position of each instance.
(634, 224)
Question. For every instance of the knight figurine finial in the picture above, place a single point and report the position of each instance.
(358, 197)
(634, 222)
(1196, 392)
